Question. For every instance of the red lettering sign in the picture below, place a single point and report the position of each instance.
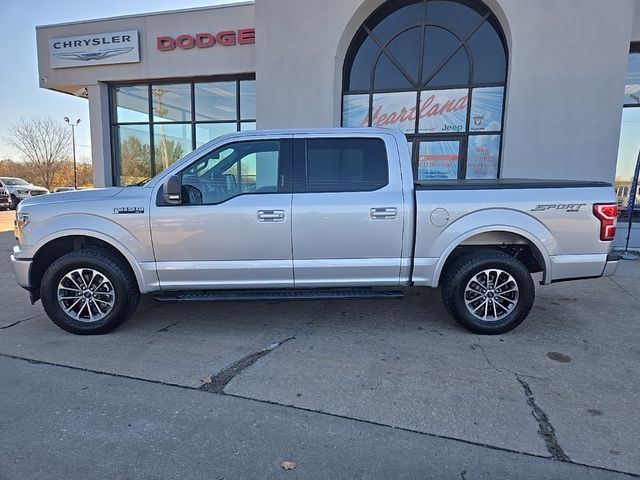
(428, 108)
(225, 38)
(185, 41)
(165, 44)
(204, 40)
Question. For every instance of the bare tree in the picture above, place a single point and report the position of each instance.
(44, 144)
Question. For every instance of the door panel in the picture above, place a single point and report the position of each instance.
(238, 242)
(346, 238)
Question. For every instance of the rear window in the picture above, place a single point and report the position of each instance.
(346, 164)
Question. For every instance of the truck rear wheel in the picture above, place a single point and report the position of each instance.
(88, 292)
(488, 293)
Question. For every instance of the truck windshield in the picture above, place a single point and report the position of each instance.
(14, 182)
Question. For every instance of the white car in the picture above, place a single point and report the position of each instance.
(20, 189)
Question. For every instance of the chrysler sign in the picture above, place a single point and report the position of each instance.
(97, 49)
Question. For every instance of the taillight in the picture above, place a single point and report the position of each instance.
(607, 213)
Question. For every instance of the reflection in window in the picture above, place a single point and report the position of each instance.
(236, 169)
(432, 68)
(216, 101)
(170, 142)
(174, 118)
(134, 152)
(632, 86)
(171, 103)
(132, 104)
(629, 142)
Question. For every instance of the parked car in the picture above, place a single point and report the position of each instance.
(310, 214)
(20, 189)
(5, 199)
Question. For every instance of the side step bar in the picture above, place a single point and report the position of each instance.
(275, 295)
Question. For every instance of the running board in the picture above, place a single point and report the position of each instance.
(276, 295)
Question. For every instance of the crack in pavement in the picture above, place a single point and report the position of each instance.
(319, 412)
(20, 321)
(545, 428)
(624, 289)
(166, 329)
(221, 380)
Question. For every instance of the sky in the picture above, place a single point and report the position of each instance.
(20, 95)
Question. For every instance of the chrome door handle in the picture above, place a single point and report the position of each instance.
(383, 213)
(271, 215)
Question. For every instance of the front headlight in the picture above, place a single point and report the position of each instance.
(22, 192)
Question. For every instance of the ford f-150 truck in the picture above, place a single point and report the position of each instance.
(309, 214)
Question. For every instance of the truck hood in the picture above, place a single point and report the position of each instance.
(73, 196)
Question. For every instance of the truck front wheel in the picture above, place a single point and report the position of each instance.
(88, 292)
(489, 292)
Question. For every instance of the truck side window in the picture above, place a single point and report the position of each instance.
(346, 165)
(232, 170)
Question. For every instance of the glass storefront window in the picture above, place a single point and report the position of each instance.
(248, 99)
(216, 101)
(438, 160)
(170, 142)
(174, 118)
(134, 152)
(171, 103)
(629, 146)
(132, 104)
(205, 132)
(436, 70)
(482, 156)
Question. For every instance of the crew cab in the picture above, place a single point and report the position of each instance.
(310, 214)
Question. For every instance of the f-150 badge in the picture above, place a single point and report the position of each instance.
(128, 210)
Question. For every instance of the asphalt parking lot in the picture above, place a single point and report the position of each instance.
(348, 389)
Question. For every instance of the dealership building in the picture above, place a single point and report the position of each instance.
(482, 89)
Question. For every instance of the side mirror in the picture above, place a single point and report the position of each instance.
(172, 190)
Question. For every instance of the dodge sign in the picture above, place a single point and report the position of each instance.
(96, 49)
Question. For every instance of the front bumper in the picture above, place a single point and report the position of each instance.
(613, 259)
(22, 271)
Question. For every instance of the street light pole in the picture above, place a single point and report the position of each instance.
(73, 140)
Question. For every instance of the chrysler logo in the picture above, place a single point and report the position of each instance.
(99, 55)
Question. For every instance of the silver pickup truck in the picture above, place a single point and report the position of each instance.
(309, 214)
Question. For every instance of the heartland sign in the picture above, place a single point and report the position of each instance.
(226, 38)
(89, 50)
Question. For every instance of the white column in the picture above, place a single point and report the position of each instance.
(100, 135)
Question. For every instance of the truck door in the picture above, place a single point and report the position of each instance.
(347, 211)
(233, 228)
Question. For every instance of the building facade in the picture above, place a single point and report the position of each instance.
(482, 89)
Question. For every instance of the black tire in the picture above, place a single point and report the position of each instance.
(14, 202)
(462, 271)
(124, 288)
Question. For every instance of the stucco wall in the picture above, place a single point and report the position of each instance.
(566, 76)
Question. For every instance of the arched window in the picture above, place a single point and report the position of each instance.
(437, 70)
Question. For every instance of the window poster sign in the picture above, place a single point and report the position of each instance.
(394, 110)
(438, 160)
(355, 110)
(486, 109)
(443, 111)
(482, 156)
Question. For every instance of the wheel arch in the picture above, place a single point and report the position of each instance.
(55, 246)
(513, 240)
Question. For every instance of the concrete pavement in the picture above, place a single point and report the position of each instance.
(563, 386)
